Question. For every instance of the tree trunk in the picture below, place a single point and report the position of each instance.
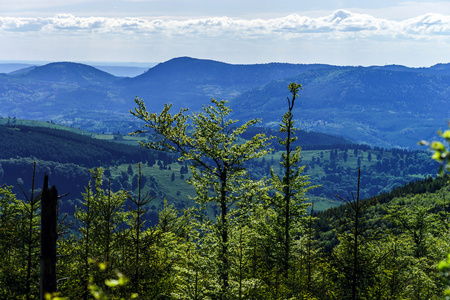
(224, 232)
(48, 239)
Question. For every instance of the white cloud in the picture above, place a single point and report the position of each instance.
(339, 25)
(341, 37)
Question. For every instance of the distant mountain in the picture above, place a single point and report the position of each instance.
(440, 68)
(189, 82)
(389, 106)
(436, 69)
(12, 67)
(63, 92)
(366, 105)
(23, 70)
(68, 73)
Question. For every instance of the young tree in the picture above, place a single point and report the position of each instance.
(100, 221)
(288, 201)
(353, 263)
(12, 262)
(140, 201)
(86, 218)
(30, 234)
(217, 159)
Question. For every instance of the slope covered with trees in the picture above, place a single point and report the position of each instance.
(339, 100)
(377, 250)
(330, 160)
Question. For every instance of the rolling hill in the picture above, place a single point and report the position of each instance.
(366, 105)
(388, 106)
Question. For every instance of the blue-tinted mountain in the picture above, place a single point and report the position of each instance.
(440, 68)
(436, 69)
(372, 105)
(13, 67)
(61, 92)
(69, 73)
(386, 106)
(122, 71)
(22, 70)
(189, 82)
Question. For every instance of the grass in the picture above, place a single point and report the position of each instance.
(13, 121)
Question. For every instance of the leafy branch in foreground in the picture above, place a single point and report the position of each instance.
(441, 153)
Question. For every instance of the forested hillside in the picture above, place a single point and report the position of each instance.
(241, 239)
(67, 156)
(384, 106)
(66, 147)
(372, 105)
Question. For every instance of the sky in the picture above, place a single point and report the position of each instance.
(338, 32)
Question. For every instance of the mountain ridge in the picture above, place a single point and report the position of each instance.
(388, 106)
(63, 72)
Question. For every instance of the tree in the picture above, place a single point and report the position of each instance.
(31, 230)
(353, 263)
(217, 160)
(442, 155)
(101, 219)
(140, 201)
(49, 236)
(11, 252)
(291, 188)
(415, 225)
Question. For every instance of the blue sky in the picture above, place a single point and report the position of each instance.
(340, 32)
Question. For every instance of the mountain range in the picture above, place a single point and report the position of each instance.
(387, 106)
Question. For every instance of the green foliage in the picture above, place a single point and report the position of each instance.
(290, 190)
(444, 269)
(217, 158)
(232, 244)
(12, 251)
(392, 168)
(441, 153)
(181, 256)
(113, 284)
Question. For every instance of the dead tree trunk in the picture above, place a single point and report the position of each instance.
(49, 236)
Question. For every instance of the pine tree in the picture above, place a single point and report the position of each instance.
(11, 252)
(101, 220)
(288, 201)
(31, 232)
(140, 201)
(353, 263)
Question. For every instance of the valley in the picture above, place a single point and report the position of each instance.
(330, 162)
